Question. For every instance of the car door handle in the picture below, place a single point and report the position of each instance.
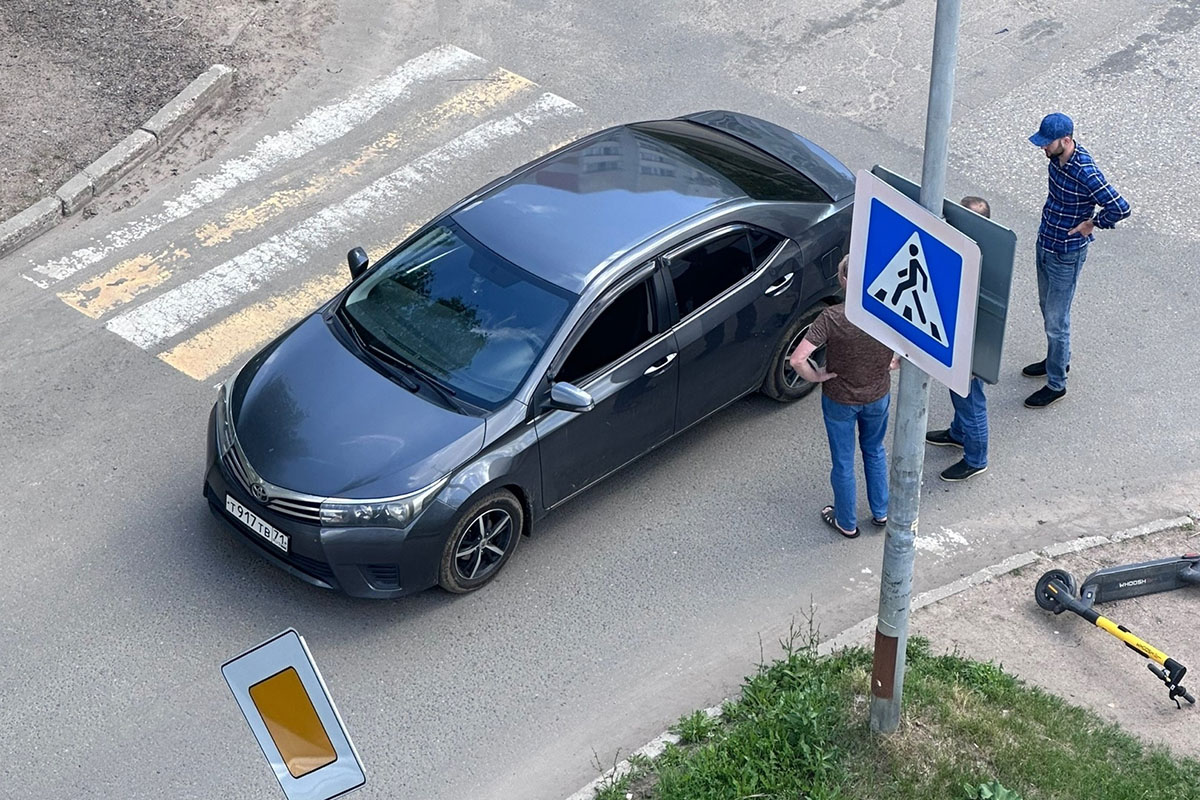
(780, 286)
(660, 365)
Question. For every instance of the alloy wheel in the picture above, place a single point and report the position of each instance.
(482, 546)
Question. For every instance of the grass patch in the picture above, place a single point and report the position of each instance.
(799, 731)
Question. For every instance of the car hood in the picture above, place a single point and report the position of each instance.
(312, 417)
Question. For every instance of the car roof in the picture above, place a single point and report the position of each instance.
(585, 206)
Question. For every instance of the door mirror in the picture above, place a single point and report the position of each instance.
(569, 397)
(358, 261)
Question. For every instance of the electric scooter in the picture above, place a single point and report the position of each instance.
(1055, 592)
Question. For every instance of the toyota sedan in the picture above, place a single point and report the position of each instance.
(530, 341)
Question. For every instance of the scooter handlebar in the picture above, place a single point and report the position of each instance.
(1174, 690)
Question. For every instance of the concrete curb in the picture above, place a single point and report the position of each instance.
(157, 132)
(861, 630)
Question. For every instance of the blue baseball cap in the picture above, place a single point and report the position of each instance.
(1054, 126)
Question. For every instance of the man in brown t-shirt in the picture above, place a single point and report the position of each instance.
(855, 396)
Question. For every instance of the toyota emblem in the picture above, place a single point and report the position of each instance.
(260, 492)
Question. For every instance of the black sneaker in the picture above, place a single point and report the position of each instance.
(1038, 369)
(960, 471)
(1044, 397)
(942, 439)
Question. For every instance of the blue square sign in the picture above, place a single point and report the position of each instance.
(913, 282)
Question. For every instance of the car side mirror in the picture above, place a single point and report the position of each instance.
(358, 261)
(569, 397)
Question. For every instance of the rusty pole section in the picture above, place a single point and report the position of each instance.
(912, 408)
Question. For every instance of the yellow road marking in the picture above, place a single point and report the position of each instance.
(123, 282)
(214, 348)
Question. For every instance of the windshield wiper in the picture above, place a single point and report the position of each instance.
(348, 322)
(444, 391)
(396, 360)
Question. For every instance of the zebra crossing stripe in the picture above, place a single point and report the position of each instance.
(323, 125)
(172, 313)
(215, 347)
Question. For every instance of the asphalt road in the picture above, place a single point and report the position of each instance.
(649, 595)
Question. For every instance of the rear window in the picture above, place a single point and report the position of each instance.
(760, 176)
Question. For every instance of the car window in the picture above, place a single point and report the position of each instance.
(702, 273)
(760, 176)
(762, 244)
(626, 324)
(459, 312)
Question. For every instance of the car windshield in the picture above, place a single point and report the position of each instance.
(458, 312)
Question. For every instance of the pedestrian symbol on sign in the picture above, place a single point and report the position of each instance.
(904, 287)
(913, 282)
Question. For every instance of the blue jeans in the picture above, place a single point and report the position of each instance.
(871, 422)
(970, 425)
(1057, 274)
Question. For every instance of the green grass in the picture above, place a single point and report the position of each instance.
(799, 731)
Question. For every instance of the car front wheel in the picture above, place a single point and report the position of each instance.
(483, 540)
(782, 382)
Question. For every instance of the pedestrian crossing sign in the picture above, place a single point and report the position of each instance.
(913, 282)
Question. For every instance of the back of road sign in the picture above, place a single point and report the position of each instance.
(997, 251)
(289, 710)
(913, 282)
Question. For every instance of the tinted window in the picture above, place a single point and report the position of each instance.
(621, 327)
(459, 312)
(702, 273)
(762, 244)
(759, 175)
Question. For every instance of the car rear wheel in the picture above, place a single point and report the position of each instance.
(483, 540)
(782, 382)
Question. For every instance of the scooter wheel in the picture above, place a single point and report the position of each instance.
(1044, 597)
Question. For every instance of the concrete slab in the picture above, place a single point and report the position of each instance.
(75, 193)
(127, 154)
(195, 99)
(31, 222)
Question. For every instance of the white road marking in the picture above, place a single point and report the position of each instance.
(323, 125)
(173, 312)
(940, 541)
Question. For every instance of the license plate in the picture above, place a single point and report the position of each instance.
(251, 521)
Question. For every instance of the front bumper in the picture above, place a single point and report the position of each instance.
(362, 562)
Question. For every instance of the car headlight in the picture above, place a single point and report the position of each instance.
(395, 512)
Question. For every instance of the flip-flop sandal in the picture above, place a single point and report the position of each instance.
(831, 521)
(879, 523)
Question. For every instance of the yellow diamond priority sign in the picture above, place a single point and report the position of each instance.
(285, 701)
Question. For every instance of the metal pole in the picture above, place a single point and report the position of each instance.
(912, 408)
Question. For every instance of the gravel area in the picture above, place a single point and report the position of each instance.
(77, 76)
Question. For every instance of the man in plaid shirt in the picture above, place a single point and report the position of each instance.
(1077, 187)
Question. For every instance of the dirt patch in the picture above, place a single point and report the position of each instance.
(77, 76)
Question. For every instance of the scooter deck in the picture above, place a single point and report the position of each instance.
(1135, 580)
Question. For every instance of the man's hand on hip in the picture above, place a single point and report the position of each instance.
(1084, 228)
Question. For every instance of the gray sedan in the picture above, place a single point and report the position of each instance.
(525, 344)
